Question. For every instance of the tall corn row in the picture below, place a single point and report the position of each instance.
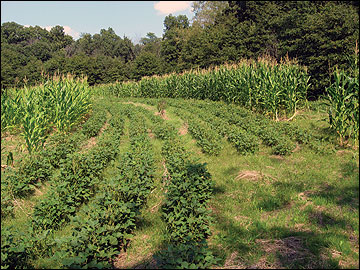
(58, 103)
(35, 120)
(11, 110)
(263, 85)
(342, 97)
(343, 101)
(69, 101)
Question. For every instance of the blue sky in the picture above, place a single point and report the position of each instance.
(133, 19)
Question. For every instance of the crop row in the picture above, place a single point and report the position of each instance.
(263, 85)
(244, 128)
(59, 103)
(93, 125)
(159, 127)
(74, 184)
(76, 181)
(106, 225)
(40, 165)
(189, 189)
(206, 137)
(35, 169)
(241, 139)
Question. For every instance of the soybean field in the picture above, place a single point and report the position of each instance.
(228, 168)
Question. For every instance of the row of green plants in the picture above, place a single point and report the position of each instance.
(106, 225)
(263, 85)
(73, 185)
(36, 169)
(254, 126)
(280, 136)
(19, 247)
(243, 141)
(206, 137)
(39, 167)
(185, 210)
(58, 103)
(245, 129)
(93, 125)
(77, 180)
(342, 99)
(188, 189)
(159, 127)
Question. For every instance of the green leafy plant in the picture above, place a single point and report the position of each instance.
(342, 99)
(191, 255)
(161, 106)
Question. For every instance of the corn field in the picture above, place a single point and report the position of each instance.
(263, 85)
(343, 102)
(58, 103)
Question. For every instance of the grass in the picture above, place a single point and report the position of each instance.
(298, 211)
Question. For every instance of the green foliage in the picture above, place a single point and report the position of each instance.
(185, 210)
(190, 255)
(283, 147)
(263, 85)
(319, 34)
(76, 182)
(14, 249)
(58, 103)
(209, 141)
(69, 101)
(343, 103)
(60, 146)
(243, 141)
(146, 64)
(7, 205)
(96, 121)
(105, 225)
(33, 170)
(104, 230)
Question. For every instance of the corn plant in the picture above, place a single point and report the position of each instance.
(59, 103)
(263, 85)
(11, 110)
(68, 101)
(342, 99)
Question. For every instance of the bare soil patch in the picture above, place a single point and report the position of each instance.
(93, 140)
(253, 175)
(151, 134)
(287, 251)
(278, 157)
(297, 148)
(250, 175)
(183, 130)
(162, 114)
(305, 195)
(343, 152)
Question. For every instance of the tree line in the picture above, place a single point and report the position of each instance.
(321, 35)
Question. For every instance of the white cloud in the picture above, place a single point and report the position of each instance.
(71, 32)
(48, 27)
(67, 30)
(167, 7)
